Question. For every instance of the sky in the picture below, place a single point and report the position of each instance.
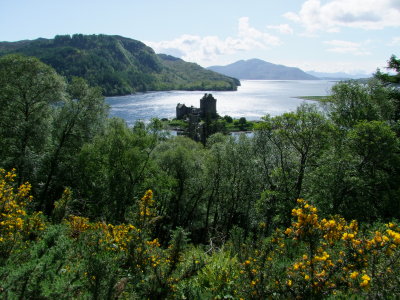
(353, 36)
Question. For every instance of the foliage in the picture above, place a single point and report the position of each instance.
(17, 227)
(28, 91)
(133, 213)
(392, 64)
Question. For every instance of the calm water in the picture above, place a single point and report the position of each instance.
(252, 100)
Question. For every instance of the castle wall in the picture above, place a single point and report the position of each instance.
(208, 108)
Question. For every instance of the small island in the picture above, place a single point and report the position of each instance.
(200, 123)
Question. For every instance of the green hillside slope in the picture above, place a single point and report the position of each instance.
(119, 65)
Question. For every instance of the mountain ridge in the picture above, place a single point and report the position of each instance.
(257, 69)
(337, 75)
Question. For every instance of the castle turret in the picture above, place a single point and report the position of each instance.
(208, 106)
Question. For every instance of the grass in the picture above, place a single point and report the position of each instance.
(316, 98)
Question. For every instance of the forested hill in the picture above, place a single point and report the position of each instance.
(258, 69)
(119, 65)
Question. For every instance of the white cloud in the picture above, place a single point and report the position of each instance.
(282, 28)
(206, 49)
(346, 47)
(395, 41)
(331, 16)
(359, 66)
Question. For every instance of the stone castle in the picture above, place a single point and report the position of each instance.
(198, 118)
(208, 109)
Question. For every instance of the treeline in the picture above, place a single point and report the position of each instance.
(119, 65)
(234, 199)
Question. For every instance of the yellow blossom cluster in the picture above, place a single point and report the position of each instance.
(146, 205)
(365, 280)
(117, 237)
(15, 223)
(307, 220)
(78, 225)
(337, 254)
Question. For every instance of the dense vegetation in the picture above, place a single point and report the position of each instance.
(90, 208)
(119, 65)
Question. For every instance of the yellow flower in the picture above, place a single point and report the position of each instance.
(354, 275)
(288, 231)
(366, 277)
(365, 280)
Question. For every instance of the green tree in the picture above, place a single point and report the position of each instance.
(353, 102)
(389, 80)
(181, 165)
(392, 64)
(233, 185)
(76, 121)
(112, 170)
(287, 148)
(29, 89)
(358, 176)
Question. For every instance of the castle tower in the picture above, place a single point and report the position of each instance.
(181, 111)
(208, 106)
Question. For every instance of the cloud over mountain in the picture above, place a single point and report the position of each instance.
(364, 14)
(207, 48)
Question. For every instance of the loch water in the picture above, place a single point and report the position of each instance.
(252, 100)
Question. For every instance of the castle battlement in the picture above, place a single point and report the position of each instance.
(208, 108)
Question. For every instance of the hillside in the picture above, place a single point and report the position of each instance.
(119, 65)
(259, 69)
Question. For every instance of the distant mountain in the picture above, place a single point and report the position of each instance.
(259, 69)
(337, 75)
(119, 65)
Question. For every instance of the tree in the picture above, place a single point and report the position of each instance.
(115, 168)
(392, 64)
(353, 102)
(358, 177)
(389, 80)
(287, 148)
(29, 90)
(181, 172)
(76, 121)
(376, 148)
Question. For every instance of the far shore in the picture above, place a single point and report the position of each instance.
(315, 98)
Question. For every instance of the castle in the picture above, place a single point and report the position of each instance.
(198, 118)
(208, 109)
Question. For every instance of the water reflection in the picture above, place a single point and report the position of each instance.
(254, 99)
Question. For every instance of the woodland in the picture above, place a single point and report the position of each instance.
(308, 207)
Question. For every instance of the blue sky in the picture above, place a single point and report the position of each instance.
(355, 36)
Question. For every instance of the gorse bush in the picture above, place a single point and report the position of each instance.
(17, 227)
(312, 258)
